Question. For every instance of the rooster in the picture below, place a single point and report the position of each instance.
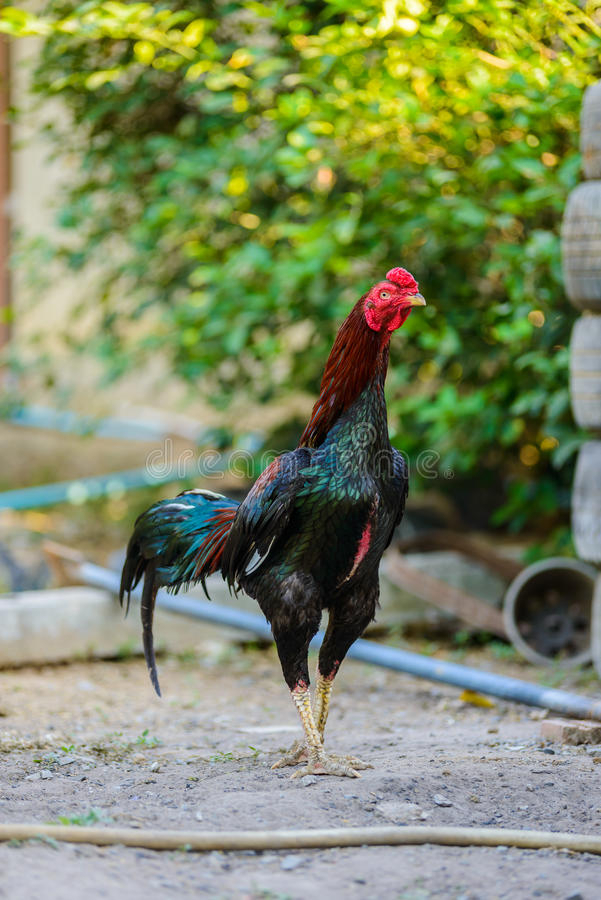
(311, 531)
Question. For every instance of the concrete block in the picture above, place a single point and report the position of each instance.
(571, 731)
(81, 622)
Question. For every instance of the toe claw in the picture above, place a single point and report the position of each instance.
(327, 765)
(319, 762)
(293, 757)
(355, 763)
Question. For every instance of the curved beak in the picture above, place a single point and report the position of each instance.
(417, 300)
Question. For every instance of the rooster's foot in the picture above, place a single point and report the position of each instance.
(327, 764)
(297, 754)
(352, 761)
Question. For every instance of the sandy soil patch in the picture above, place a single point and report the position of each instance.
(89, 742)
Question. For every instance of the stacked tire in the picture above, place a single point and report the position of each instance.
(581, 257)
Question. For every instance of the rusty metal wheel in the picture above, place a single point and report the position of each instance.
(548, 610)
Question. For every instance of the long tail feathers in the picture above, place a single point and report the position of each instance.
(175, 543)
(149, 595)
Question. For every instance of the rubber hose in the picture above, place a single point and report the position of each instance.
(152, 839)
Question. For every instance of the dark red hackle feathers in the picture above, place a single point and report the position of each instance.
(359, 353)
(356, 356)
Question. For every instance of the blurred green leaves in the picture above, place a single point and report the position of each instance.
(247, 169)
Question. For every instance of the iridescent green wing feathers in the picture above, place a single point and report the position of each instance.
(400, 485)
(264, 515)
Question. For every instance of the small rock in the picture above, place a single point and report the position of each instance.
(198, 815)
(46, 773)
(576, 895)
(399, 811)
(155, 767)
(306, 780)
(35, 776)
(291, 862)
(440, 800)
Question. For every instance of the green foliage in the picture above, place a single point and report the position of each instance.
(247, 169)
(92, 817)
(144, 740)
(222, 756)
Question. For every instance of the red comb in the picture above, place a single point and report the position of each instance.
(403, 278)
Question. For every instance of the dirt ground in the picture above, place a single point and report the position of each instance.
(89, 743)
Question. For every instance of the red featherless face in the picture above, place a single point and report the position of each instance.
(388, 303)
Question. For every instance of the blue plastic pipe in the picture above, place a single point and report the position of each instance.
(81, 490)
(465, 677)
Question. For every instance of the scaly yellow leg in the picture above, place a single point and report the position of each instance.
(311, 750)
(318, 762)
(302, 701)
(299, 752)
(323, 690)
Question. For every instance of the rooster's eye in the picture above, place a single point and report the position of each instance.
(384, 295)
